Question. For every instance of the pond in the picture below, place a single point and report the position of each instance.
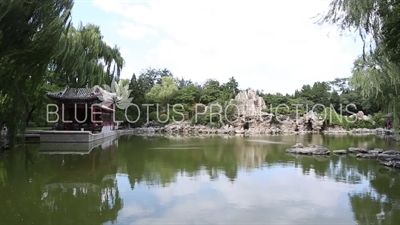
(209, 180)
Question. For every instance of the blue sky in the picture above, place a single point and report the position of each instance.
(270, 45)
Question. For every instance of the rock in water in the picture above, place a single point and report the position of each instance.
(340, 152)
(390, 158)
(299, 148)
(367, 155)
(357, 150)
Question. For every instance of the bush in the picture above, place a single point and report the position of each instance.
(176, 116)
(379, 119)
(163, 117)
(153, 116)
(215, 120)
(284, 110)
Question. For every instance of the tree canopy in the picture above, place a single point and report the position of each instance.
(41, 50)
(376, 72)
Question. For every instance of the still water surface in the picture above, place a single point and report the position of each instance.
(215, 180)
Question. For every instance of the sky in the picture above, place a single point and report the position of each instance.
(269, 45)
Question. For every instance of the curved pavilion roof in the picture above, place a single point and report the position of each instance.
(75, 94)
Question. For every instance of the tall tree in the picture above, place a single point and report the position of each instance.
(211, 91)
(85, 59)
(377, 24)
(29, 35)
(163, 93)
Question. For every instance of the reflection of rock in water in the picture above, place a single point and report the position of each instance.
(320, 158)
(251, 156)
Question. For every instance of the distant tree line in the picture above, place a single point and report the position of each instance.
(160, 86)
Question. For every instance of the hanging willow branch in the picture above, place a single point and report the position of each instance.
(377, 71)
(29, 34)
(86, 59)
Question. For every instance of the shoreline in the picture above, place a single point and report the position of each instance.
(159, 132)
(203, 130)
(186, 130)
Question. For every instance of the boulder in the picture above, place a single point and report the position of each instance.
(390, 158)
(299, 148)
(375, 151)
(340, 152)
(367, 155)
(357, 150)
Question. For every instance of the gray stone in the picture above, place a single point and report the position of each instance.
(357, 150)
(375, 151)
(340, 152)
(299, 148)
(390, 158)
(249, 103)
(367, 155)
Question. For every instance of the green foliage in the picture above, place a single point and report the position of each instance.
(30, 32)
(379, 119)
(211, 92)
(216, 115)
(163, 93)
(338, 94)
(188, 95)
(153, 116)
(177, 114)
(333, 118)
(376, 72)
(163, 117)
(85, 59)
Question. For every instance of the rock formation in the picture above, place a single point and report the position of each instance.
(251, 107)
(299, 148)
(250, 112)
(360, 116)
(249, 103)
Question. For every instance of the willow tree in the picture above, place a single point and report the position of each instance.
(378, 78)
(376, 72)
(29, 35)
(85, 59)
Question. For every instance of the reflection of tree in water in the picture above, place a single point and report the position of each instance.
(157, 162)
(60, 189)
(145, 162)
(383, 196)
(383, 192)
(366, 206)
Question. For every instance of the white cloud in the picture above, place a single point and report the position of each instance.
(278, 197)
(135, 31)
(134, 210)
(271, 45)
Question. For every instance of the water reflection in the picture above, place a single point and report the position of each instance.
(60, 189)
(200, 180)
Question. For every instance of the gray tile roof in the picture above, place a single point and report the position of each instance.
(73, 94)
